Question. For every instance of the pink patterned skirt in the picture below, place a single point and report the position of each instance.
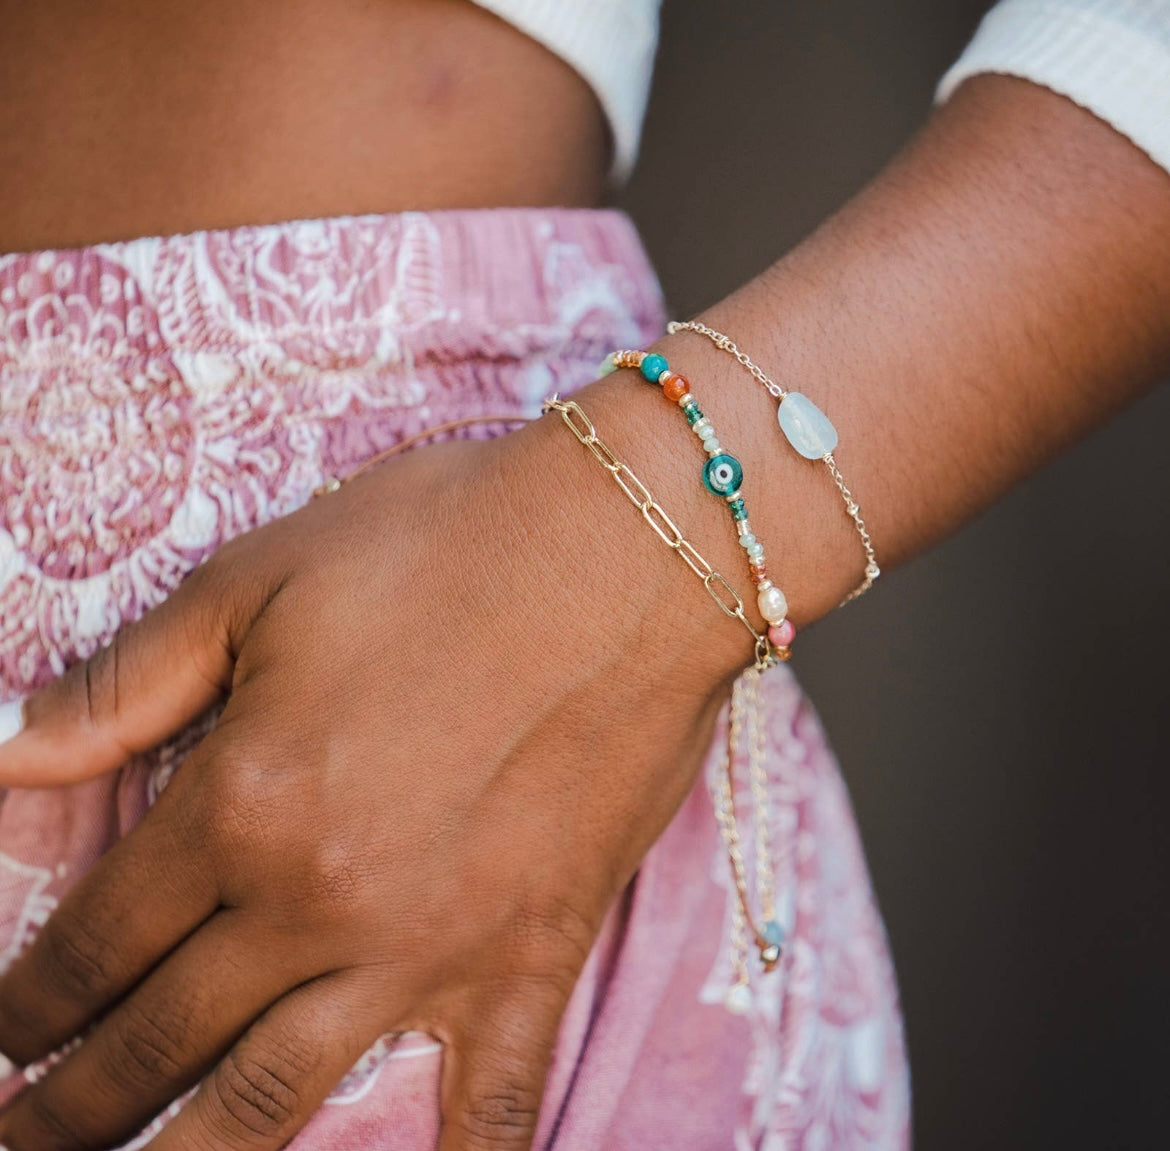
(161, 396)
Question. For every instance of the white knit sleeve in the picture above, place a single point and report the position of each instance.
(611, 43)
(1110, 56)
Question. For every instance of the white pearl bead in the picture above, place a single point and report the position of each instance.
(773, 606)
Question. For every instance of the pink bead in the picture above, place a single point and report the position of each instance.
(782, 634)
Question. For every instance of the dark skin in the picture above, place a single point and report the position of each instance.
(136, 118)
(1002, 288)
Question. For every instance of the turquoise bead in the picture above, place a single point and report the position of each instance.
(653, 366)
(693, 414)
(722, 474)
(738, 510)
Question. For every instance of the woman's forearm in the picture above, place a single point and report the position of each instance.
(1001, 289)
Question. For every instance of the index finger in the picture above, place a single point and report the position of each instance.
(147, 894)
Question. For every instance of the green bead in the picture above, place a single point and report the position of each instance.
(693, 414)
(738, 510)
(606, 366)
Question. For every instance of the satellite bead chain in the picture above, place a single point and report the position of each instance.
(807, 429)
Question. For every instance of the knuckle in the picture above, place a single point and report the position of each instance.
(253, 1091)
(141, 1051)
(76, 961)
(89, 689)
(502, 1117)
(20, 1028)
(236, 583)
(44, 1125)
(332, 880)
(239, 803)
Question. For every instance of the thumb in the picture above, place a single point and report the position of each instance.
(493, 1082)
(153, 677)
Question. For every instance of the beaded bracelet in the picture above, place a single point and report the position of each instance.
(807, 429)
(723, 477)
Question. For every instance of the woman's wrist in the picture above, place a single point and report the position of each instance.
(993, 295)
(928, 345)
(812, 551)
(626, 590)
(646, 433)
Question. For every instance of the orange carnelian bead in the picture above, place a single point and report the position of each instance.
(675, 387)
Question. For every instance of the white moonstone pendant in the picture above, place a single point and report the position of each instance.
(808, 429)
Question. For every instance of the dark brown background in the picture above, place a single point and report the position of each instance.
(1000, 707)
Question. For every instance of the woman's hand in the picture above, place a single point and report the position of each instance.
(454, 726)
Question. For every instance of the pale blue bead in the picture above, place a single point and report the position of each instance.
(808, 429)
(756, 550)
(773, 933)
(747, 541)
(606, 366)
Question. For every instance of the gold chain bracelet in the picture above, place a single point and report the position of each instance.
(664, 527)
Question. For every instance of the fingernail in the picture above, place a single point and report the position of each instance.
(7, 1068)
(11, 723)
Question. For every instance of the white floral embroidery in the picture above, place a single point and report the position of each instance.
(25, 905)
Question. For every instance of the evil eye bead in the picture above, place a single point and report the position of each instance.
(722, 474)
